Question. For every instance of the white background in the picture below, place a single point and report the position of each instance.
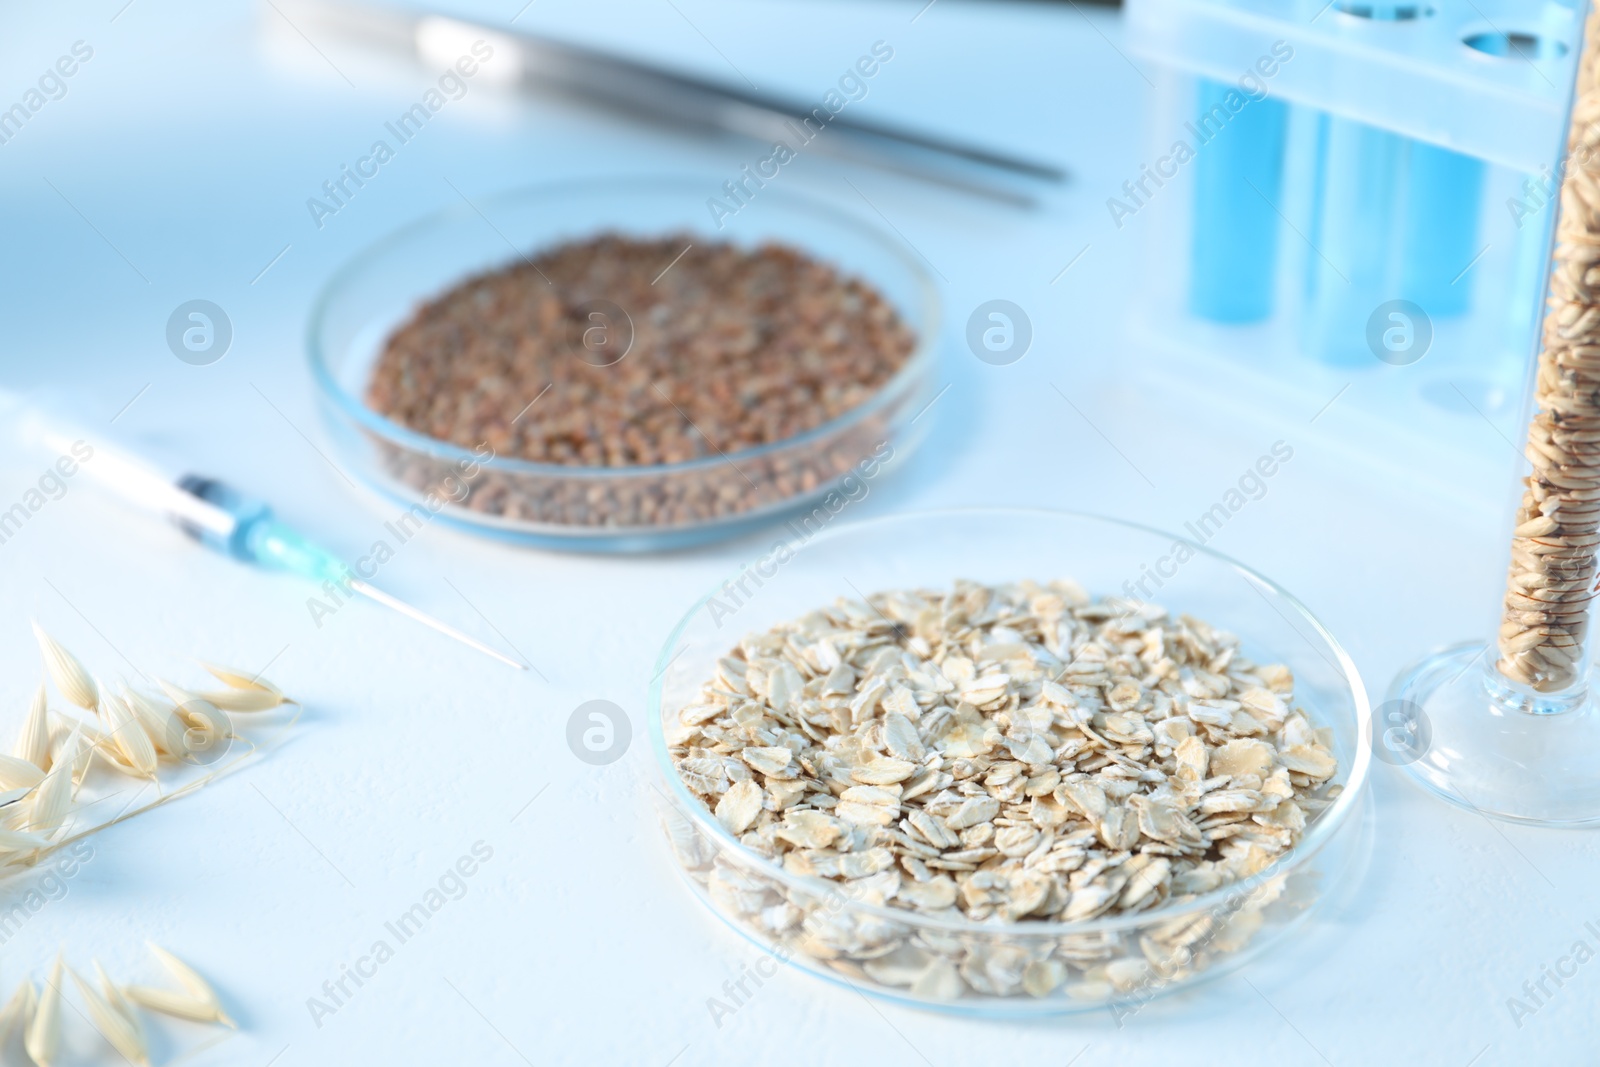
(181, 160)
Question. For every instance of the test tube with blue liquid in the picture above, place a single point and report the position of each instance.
(1240, 135)
(1393, 218)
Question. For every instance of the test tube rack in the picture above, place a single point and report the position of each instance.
(1353, 192)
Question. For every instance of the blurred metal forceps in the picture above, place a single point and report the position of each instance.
(663, 95)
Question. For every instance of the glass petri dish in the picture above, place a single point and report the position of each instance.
(1117, 962)
(618, 509)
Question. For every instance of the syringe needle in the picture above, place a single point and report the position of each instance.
(213, 513)
(427, 620)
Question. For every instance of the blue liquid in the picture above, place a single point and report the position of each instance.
(1351, 264)
(1238, 186)
(1392, 218)
(1443, 192)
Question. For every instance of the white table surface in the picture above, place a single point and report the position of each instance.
(177, 167)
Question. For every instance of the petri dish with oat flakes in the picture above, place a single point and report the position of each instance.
(840, 871)
(597, 366)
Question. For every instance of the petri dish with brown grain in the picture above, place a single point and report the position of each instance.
(596, 366)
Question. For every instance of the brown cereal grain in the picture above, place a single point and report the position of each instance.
(732, 349)
(1551, 582)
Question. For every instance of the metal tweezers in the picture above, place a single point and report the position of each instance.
(661, 95)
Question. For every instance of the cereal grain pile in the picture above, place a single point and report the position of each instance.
(1012, 752)
(1551, 584)
(730, 349)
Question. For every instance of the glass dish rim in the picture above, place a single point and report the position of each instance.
(1322, 830)
(927, 316)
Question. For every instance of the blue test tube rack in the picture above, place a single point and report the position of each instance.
(1408, 112)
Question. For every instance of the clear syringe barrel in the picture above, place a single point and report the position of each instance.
(111, 463)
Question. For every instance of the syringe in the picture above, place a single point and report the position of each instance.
(225, 520)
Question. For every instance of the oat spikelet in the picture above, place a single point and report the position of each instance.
(109, 990)
(190, 979)
(183, 699)
(114, 1026)
(129, 737)
(113, 759)
(237, 679)
(53, 799)
(209, 720)
(199, 714)
(65, 670)
(20, 841)
(118, 1000)
(88, 738)
(19, 1009)
(33, 744)
(14, 815)
(178, 1005)
(43, 1038)
(159, 720)
(19, 773)
(241, 699)
(100, 744)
